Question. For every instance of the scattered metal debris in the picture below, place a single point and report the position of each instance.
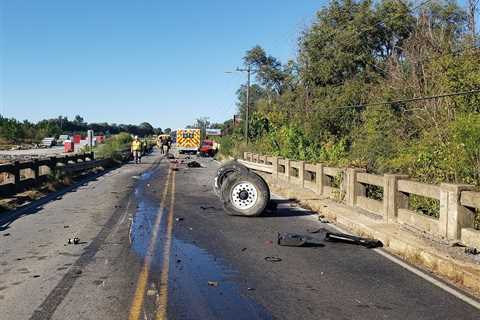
(346, 238)
(194, 164)
(273, 259)
(213, 283)
(471, 250)
(74, 240)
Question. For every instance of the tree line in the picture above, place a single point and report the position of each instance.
(14, 131)
(321, 106)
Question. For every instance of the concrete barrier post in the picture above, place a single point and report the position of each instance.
(353, 188)
(245, 156)
(16, 174)
(453, 216)
(301, 173)
(287, 170)
(392, 198)
(36, 170)
(275, 169)
(319, 180)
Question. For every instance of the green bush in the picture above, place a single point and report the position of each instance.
(113, 146)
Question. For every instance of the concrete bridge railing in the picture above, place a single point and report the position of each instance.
(457, 203)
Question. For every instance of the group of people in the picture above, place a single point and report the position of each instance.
(140, 147)
(164, 143)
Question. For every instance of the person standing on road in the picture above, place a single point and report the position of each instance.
(136, 149)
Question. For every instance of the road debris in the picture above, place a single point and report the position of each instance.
(74, 240)
(251, 289)
(244, 249)
(194, 164)
(179, 219)
(322, 219)
(346, 238)
(297, 240)
(273, 259)
(213, 283)
(291, 240)
(471, 250)
(6, 234)
(207, 207)
(66, 227)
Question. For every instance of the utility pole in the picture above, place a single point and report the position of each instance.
(248, 70)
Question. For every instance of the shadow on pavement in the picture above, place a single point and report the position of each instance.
(33, 207)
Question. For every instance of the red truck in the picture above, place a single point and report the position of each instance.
(207, 149)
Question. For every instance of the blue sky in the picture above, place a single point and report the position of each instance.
(126, 61)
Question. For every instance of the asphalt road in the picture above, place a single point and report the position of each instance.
(155, 244)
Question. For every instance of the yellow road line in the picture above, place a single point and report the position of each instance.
(163, 300)
(137, 303)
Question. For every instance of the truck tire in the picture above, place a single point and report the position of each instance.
(226, 169)
(245, 194)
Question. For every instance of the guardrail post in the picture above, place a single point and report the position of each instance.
(287, 170)
(301, 173)
(16, 175)
(275, 169)
(453, 216)
(319, 180)
(36, 170)
(53, 165)
(353, 188)
(392, 198)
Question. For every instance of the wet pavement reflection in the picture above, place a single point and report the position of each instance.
(200, 285)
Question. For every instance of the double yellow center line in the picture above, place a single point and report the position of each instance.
(139, 296)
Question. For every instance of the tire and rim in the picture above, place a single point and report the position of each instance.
(245, 194)
(224, 171)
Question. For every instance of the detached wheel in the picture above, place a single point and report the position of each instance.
(224, 171)
(245, 194)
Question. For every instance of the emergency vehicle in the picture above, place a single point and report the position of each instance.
(188, 140)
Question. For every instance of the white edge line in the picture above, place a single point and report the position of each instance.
(422, 274)
(474, 303)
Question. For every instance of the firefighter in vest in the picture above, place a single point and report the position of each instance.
(136, 149)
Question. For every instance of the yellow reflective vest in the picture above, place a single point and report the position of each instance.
(136, 145)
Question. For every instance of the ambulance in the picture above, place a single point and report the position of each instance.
(188, 140)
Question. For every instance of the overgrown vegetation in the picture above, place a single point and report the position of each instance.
(356, 53)
(113, 146)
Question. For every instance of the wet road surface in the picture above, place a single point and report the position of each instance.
(159, 246)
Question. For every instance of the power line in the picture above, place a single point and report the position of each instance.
(452, 94)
